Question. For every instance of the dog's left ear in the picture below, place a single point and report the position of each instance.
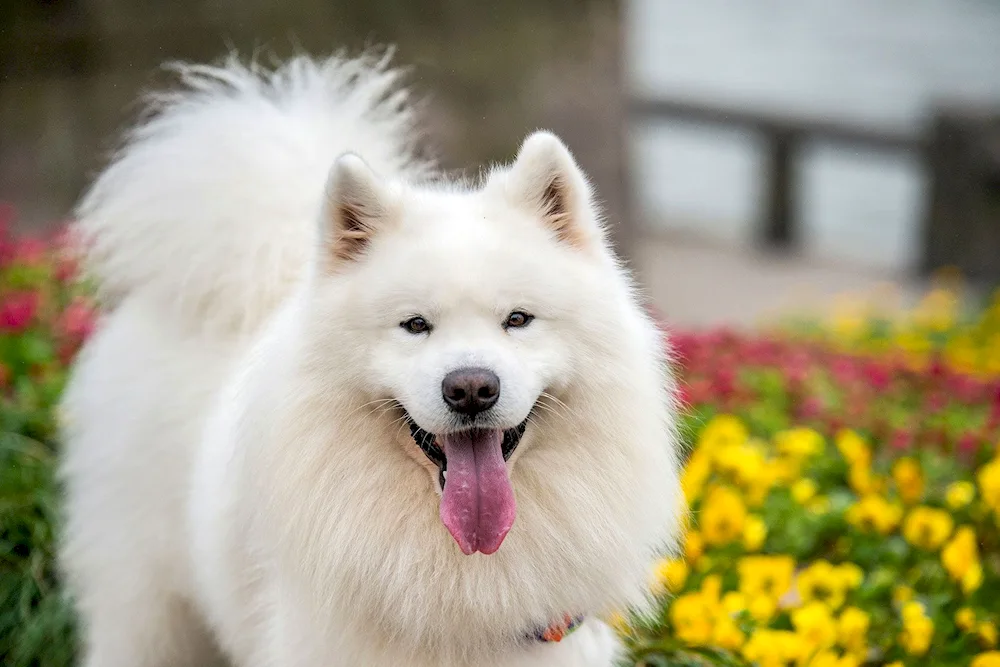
(546, 178)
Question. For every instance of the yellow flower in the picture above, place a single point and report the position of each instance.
(927, 528)
(902, 594)
(989, 484)
(827, 583)
(960, 558)
(694, 546)
(987, 634)
(819, 505)
(874, 513)
(965, 619)
(814, 623)
(669, 575)
(863, 481)
(831, 659)
(803, 490)
(988, 659)
(909, 480)
(619, 623)
(691, 616)
(765, 576)
(697, 470)
(918, 630)
(973, 579)
(722, 431)
(727, 634)
(754, 533)
(722, 516)
(853, 448)
(762, 608)
(896, 663)
(774, 648)
(959, 494)
(733, 602)
(799, 443)
(852, 629)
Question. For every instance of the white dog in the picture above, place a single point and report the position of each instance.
(341, 412)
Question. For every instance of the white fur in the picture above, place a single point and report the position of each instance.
(238, 475)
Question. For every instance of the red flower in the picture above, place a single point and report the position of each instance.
(17, 310)
(76, 322)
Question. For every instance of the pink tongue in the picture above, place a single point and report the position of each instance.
(477, 506)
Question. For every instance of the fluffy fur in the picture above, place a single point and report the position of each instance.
(241, 482)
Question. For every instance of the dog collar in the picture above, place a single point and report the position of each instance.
(558, 630)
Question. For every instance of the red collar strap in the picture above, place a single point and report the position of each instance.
(559, 630)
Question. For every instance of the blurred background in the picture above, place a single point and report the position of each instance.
(754, 157)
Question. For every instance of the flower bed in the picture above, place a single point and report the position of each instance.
(844, 481)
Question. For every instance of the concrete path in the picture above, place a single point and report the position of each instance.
(698, 284)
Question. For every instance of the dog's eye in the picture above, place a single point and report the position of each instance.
(517, 319)
(416, 325)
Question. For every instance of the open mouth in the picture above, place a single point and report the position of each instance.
(477, 499)
(428, 444)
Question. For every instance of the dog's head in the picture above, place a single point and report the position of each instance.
(471, 312)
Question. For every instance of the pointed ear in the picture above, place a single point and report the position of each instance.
(546, 178)
(356, 207)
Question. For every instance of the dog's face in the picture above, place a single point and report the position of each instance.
(471, 312)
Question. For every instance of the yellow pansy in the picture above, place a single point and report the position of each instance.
(722, 516)
(619, 623)
(831, 659)
(959, 495)
(765, 576)
(774, 648)
(803, 490)
(989, 484)
(874, 513)
(762, 608)
(853, 448)
(852, 629)
(965, 619)
(988, 659)
(694, 546)
(827, 583)
(987, 634)
(902, 594)
(918, 630)
(722, 431)
(927, 527)
(960, 558)
(815, 624)
(697, 470)
(799, 443)
(692, 618)
(734, 602)
(754, 533)
(726, 634)
(909, 480)
(669, 574)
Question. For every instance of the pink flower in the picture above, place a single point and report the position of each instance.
(77, 322)
(902, 439)
(17, 310)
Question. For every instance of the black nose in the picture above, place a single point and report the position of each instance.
(470, 391)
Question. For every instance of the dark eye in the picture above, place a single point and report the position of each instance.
(416, 325)
(517, 319)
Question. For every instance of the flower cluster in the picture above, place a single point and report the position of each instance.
(44, 318)
(803, 550)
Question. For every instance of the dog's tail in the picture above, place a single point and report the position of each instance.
(210, 208)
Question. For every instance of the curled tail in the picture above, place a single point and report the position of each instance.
(209, 209)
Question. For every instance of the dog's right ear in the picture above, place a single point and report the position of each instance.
(355, 208)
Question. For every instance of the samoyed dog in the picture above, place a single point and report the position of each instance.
(342, 411)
